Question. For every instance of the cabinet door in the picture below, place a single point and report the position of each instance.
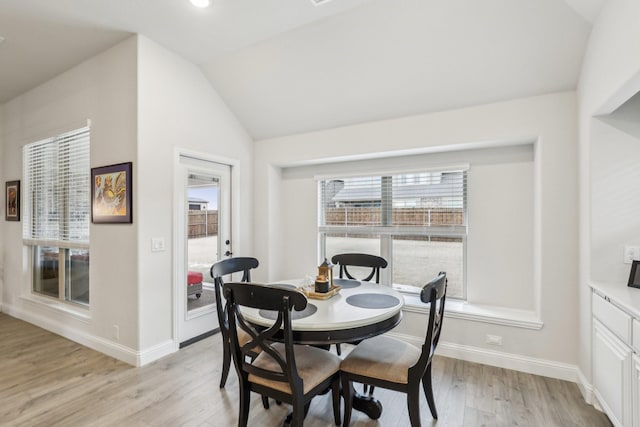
(635, 379)
(611, 375)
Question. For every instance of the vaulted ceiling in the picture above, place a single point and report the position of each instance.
(286, 66)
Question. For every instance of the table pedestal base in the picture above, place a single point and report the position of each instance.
(367, 404)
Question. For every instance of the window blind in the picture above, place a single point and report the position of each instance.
(411, 203)
(57, 190)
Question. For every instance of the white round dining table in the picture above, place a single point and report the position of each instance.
(358, 311)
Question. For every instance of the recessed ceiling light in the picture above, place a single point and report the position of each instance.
(201, 3)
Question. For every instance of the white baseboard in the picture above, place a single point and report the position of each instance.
(156, 352)
(531, 365)
(586, 389)
(110, 348)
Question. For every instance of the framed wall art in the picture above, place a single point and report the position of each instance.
(12, 201)
(111, 197)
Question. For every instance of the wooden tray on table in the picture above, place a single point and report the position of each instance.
(311, 293)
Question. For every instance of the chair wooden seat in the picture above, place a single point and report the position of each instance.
(314, 366)
(384, 357)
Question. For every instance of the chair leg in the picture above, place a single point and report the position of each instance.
(299, 411)
(338, 349)
(428, 391)
(226, 364)
(265, 402)
(306, 408)
(335, 386)
(413, 403)
(245, 401)
(347, 393)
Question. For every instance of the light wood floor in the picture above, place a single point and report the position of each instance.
(46, 380)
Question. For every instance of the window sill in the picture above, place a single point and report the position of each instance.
(73, 310)
(458, 309)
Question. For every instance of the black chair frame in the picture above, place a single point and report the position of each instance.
(283, 300)
(218, 270)
(360, 260)
(431, 293)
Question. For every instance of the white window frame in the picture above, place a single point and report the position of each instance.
(65, 235)
(386, 232)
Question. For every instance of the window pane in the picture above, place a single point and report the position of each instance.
(345, 243)
(46, 271)
(77, 275)
(418, 219)
(418, 259)
(57, 210)
(351, 202)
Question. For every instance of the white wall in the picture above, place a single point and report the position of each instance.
(178, 109)
(283, 235)
(102, 89)
(500, 215)
(610, 75)
(615, 200)
(144, 102)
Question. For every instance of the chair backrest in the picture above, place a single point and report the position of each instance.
(360, 260)
(435, 294)
(226, 267)
(275, 298)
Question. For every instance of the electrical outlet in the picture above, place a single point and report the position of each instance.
(116, 332)
(631, 253)
(494, 339)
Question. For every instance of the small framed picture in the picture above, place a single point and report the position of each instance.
(111, 196)
(634, 277)
(12, 201)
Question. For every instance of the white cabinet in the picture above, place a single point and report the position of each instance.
(612, 375)
(635, 379)
(616, 369)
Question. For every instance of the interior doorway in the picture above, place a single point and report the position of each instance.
(203, 204)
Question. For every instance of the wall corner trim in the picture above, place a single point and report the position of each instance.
(585, 388)
(156, 352)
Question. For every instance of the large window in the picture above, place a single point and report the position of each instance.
(57, 215)
(416, 221)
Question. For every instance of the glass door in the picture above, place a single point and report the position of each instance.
(205, 209)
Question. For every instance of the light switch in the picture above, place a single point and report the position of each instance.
(157, 244)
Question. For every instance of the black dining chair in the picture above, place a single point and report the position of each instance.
(286, 372)
(394, 364)
(218, 270)
(344, 261)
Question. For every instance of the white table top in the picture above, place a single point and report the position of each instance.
(335, 313)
